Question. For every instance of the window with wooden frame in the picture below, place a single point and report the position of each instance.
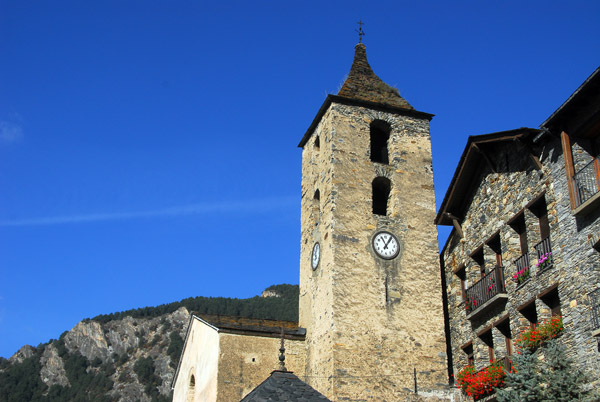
(529, 311)
(504, 328)
(461, 274)
(543, 248)
(477, 256)
(468, 351)
(495, 245)
(550, 298)
(488, 338)
(518, 225)
(540, 210)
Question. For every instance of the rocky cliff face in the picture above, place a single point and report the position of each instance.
(137, 356)
(125, 356)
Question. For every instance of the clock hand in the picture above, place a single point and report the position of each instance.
(388, 242)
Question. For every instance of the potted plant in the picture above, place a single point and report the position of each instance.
(544, 261)
(536, 335)
(478, 384)
(522, 275)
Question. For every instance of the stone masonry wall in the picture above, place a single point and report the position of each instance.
(499, 198)
(581, 263)
(371, 322)
(246, 361)
(316, 298)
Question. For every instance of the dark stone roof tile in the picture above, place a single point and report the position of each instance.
(284, 386)
(362, 84)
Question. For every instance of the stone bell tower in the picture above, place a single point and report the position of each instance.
(370, 293)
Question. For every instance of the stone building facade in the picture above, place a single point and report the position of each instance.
(524, 206)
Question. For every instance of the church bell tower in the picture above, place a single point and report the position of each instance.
(370, 293)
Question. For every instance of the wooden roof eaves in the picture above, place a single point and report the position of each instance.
(298, 334)
(441, 218)
(579, 92)
(252, 326)
(466, 160)
(355, 102)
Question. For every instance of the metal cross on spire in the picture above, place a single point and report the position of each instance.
(360, 31)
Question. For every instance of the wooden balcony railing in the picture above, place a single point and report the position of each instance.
(485, 289)
(586, 182)
(522, 262)
(594, 298)
(544, 254)
(522, 269)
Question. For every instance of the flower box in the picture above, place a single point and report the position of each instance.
(521, 276)
(479, 384)
(545, 261)
(536, 335)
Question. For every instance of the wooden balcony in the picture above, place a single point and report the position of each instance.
(586, 182)
(485, 292)
(586, 185)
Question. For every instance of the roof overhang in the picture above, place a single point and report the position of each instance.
(471, 163)
(579, 112)
(355, 102)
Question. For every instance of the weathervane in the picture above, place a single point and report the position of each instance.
(360, 31)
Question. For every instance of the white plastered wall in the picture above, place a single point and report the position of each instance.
(200, 359)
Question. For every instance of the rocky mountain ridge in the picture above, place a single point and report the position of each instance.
(136, 356)
(126, 359)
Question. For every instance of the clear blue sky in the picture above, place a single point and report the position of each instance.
(148, 148)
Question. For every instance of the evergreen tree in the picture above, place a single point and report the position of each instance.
(563, 381)
(545, 374)
(522, 384)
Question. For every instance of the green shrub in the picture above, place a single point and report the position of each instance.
(175, 348)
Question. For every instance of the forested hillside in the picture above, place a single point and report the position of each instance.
(282, 307)
(125, 356)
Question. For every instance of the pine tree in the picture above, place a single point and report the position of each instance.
(523, 382)
(545, 374)
(564, 382)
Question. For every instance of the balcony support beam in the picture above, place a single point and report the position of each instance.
(456, 224)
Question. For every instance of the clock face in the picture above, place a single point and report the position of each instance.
(316, 256)
(386, 245)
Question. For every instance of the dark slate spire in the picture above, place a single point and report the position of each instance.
(284, 386)
(363, 84)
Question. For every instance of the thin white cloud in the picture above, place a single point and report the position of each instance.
(10, 132)
(248, 207)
